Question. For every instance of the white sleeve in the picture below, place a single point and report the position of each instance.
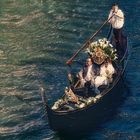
(80, 74)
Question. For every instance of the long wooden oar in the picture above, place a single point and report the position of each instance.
(109, 33)
(86, 43)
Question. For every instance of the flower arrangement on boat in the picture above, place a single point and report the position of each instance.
(100, 50)
(82, 102)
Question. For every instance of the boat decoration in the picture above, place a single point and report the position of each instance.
(100, 50)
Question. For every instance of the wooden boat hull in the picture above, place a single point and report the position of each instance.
(90, 117)
(94, 114)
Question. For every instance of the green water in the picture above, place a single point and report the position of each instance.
(37, 37)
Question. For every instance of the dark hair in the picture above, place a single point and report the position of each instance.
(114, 4)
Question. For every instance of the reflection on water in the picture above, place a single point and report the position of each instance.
(37, 37)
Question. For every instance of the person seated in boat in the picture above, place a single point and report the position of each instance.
(87, 74)
(72, 78)
(106, 72)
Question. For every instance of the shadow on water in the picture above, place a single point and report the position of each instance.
(79, 136)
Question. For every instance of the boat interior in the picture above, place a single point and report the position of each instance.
(77, 97)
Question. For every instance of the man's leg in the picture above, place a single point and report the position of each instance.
(118, 39)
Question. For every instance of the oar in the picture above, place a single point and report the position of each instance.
(86, 43)
(109, 33)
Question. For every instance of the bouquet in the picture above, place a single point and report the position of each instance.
(102, 49)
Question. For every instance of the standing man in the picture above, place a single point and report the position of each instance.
(117, 22)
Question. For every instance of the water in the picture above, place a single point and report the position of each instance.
(37, 37)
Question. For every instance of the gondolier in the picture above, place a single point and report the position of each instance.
(117, 22)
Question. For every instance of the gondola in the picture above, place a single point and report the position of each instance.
(91, 115)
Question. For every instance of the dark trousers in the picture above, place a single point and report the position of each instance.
(119, 41)
(118, 35)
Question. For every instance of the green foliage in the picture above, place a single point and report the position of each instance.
(107, 49)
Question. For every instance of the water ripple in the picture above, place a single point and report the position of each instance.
(36, 39)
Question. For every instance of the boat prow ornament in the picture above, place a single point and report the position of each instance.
(70, 95)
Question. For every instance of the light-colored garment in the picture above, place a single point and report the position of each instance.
(87, 74)
(106, 73)
(107, 70)
(100, 80)
(117, 21)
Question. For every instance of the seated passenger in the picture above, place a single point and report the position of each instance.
(87, 74)
(105, 77)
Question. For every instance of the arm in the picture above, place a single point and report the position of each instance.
(80, 74)
(110, 14)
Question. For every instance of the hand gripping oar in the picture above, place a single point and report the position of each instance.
(86, 43)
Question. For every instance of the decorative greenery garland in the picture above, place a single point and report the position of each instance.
(102, 48)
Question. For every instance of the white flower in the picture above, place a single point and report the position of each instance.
(104, 39)
(101, 44)
(107, 42)
(94, 44)
(105, 46)
(87, 50)
(106, 55)
(82, 105)
(111, 45)
(100, 40)
(112, 51)
(115, 57)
